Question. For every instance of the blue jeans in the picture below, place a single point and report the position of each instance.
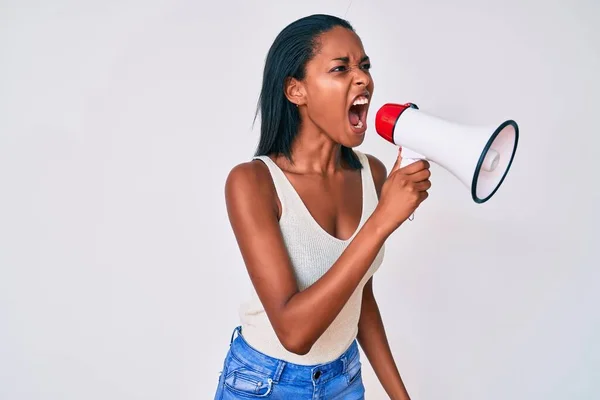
(250, 374)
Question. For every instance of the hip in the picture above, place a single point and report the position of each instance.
(250, 374)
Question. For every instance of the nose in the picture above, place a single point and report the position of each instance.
(361, 77)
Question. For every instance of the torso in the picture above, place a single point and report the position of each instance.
(318, 218)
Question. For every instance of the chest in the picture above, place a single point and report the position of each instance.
(335, 203)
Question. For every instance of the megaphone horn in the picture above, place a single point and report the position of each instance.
(479, 156)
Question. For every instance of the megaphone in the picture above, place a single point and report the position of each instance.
(479, 156)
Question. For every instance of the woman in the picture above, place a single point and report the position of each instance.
(311, 216)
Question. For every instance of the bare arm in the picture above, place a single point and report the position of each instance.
(373, 341)
(299, 318)
(371, 332)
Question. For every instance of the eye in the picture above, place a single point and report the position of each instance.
(366, 66)
(340, 68)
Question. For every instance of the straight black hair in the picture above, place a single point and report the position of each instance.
(292, 49)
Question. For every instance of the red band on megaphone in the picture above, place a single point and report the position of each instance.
(385, 120)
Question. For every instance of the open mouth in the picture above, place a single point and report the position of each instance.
(357, 113)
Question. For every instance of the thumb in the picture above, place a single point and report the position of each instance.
(398, 161)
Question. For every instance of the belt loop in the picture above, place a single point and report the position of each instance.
(344, 364)
(280, 366)
(238, 329)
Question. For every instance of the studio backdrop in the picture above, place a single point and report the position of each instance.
(120, 277)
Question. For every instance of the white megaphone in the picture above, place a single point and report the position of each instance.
(479, 156)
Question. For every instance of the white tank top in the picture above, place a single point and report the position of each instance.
(312, 252)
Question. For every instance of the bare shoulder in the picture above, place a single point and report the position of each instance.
(252, 173)
(249, 184)
(378, 170)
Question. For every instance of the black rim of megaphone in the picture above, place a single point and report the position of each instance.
(482, 158)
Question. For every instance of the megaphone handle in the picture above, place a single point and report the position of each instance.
(404, 163)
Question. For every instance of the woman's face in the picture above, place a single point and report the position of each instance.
(334, 96)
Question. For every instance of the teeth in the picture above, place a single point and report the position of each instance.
(359, 125)
(361, 100)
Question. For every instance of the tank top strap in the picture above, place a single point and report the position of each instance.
(280, 181)
(368, 183)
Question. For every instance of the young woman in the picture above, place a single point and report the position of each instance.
(311, 216)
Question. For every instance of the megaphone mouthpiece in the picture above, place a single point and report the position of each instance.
(386, 118)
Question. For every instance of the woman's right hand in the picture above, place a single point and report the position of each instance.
(402, 192)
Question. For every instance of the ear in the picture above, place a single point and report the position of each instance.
(294, 91)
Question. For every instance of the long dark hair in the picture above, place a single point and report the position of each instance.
(292, 49)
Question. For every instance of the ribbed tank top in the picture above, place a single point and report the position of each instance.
(312, 252)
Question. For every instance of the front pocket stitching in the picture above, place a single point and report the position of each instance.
(245, 366)
(251, 395)
(351, 379)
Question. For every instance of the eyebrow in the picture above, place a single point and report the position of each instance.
(347, 59)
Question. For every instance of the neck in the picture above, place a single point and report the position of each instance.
(313, 152)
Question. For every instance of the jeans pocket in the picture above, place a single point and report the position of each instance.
(354, 370)
(247, 383)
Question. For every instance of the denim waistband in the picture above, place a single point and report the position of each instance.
(282, 370)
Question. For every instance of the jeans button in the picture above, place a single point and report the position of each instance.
(317, 374)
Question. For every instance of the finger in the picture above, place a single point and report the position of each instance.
(419, 176)
(423, 185)
(416, 167)
(398, 161)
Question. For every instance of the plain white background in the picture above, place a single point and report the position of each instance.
(120, 120)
